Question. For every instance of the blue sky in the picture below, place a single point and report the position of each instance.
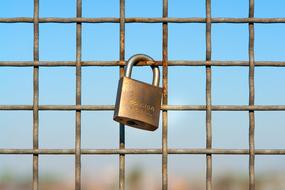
(186, 84)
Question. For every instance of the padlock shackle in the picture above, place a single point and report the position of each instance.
(142, 57)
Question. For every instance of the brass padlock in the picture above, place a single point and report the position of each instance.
(138, 103)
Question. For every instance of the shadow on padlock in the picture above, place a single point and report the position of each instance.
(138, 103)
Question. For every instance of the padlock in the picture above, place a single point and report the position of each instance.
(138, 103)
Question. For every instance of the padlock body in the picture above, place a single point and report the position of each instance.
(138, 104)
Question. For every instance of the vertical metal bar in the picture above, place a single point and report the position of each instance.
(78, 99)
(165, 97)
(122, 71)
(251, 99)
(208, 95)
(36, 97)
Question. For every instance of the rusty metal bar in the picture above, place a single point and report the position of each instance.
(142, 63)
(280, 152)
(251, 99)
(78, 98)
(143, 20)
(163, 107)
(36, 96)
(122, 158)
(208, 96)
(165, 96)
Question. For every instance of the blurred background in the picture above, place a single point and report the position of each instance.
(187, 129)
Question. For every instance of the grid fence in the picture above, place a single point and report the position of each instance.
(208, 151)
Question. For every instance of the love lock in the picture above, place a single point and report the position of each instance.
(138, 103)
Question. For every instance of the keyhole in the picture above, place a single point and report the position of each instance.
(131, 123)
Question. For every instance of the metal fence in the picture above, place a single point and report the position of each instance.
(208, 151)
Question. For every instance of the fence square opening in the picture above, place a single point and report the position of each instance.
(56, 172)
(187, 129)
(187, 41)
(143, 172)
(16, 133)
(99, 130)
(99, 8)
(230, 172)
(17, 47)
(230, 42)
(57, 86)
(54, 8)
(269, 126)
(57, 42)
(15, 80)
(15, 172)
(187, 85)
(187, 172)
(230, 86)
(147, 8)
(230, 8)
(57, 129)
(137, 138)
(100, 172)
(230, 129)
(103, 90)
(150, 40)
(269, 9)
(269, 86)
(190, 8)
(16, 8)
(269, 42)
(100, 42)
(270, 172)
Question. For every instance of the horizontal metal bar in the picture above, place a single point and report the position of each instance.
(163, 107)
(142, 63)
(142, 20)
(59, 20)
(144, 151)
(58, 107)
(225, 107)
